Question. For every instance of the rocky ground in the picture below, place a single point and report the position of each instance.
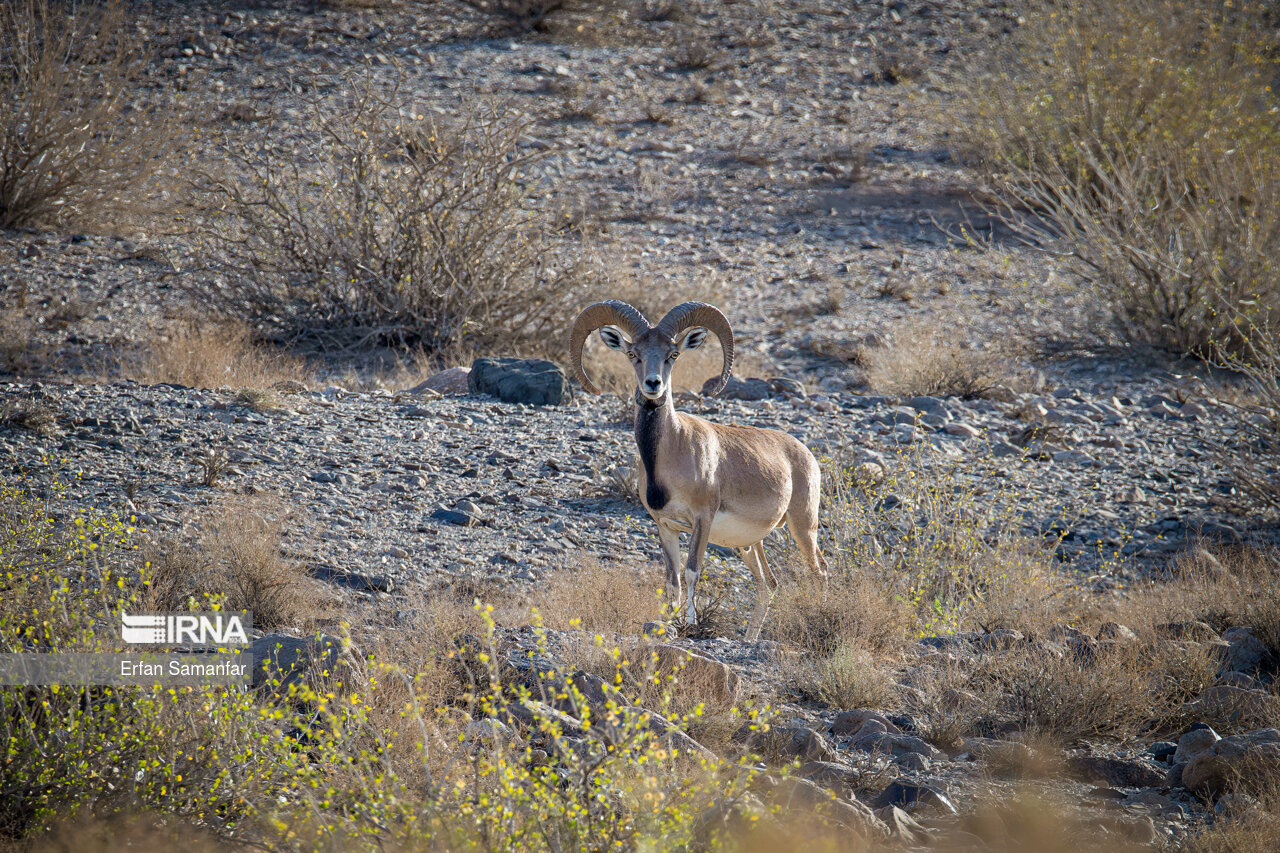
(395, 496)
(782, 163)
(415, 489)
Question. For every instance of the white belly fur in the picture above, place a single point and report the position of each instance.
(727, 529)
(736, 531)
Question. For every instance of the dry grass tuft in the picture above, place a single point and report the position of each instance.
(600, 599)
(1061, 695)
(947, 554)
(921, 360)
(31, 415)
(75, 142)
(235, 551)
(1251, 823)
(1231, 588)
(852, 611)
(1064, 686)
(848, 677)
(17, 339)
(211, 355)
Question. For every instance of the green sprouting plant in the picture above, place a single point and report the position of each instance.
(951, 552)
(361, 755)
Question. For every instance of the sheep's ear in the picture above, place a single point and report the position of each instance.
(614, 338)
(694, 338)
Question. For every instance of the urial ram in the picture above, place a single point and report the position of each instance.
(728, 485)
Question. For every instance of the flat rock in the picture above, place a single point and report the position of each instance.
(830, 774)
(893, 745)
(1121, 772)
(739, 389)
(1246, 652)
(1193, 743)
(455, 380)
(1233, 703)
(902, 826)
(851, 722)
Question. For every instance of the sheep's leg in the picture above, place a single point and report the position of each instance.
(693, 565)
(766, 586)
(670, 541)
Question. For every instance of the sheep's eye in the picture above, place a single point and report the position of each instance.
(673, 356)
(631, 355)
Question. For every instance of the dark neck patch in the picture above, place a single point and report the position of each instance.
(649, 417)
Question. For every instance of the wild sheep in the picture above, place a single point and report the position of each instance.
(729, 485)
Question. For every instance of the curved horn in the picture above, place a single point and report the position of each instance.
(592, 318)
(710, 318)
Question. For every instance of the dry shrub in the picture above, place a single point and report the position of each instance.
(213, 355)
(1058, 695)
(1226, 588)
(416, 664)
(75, 144)
(383, 226)
(1251, 824)
(599, 599)
(1141, 138)
(235, 552)
(1149, 683)
(32, 415)
(698, 699)
(1067, 697)
(944, 550)
(17, 339)
(848, 677)
(1252, 453)
(850, 611)
(921, 359)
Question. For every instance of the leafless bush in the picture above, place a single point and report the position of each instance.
(1253, 452)
(213, 463)
(922, 360)
(387, 227)
(72, 144)
(1154, 178)
(1176, 241)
